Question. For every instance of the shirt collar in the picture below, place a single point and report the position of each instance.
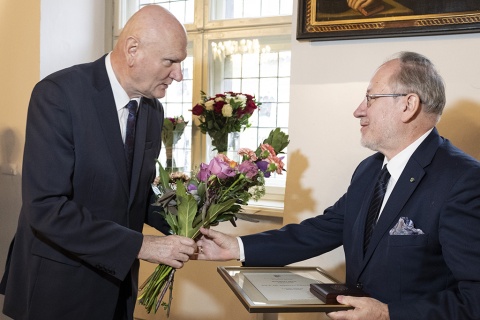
(398, 163)
(119, 94)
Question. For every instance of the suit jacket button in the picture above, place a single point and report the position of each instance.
(360, 285)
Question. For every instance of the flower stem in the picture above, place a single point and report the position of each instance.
(153, 289)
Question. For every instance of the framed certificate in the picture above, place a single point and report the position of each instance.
(278, 290)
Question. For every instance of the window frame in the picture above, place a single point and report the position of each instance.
(200, 33)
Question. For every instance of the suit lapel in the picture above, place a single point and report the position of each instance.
(140, 138)
(107, 112)
(363, 210)
(108, 118)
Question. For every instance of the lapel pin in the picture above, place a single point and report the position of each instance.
(412, 179)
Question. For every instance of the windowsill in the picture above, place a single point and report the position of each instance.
(270, 208)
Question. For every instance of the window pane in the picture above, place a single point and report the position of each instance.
(270, 8)
(237, 9)
(251, 8)
(181, 9)
(286, 7)
(269, 64)
(250, 65)
(178, 102)
(256, 73)
(284, 63)
(282, 114)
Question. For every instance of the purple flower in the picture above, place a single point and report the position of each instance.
(203, 173)
(248, 168)
(191, 187)
(263, 166)
(220, 168)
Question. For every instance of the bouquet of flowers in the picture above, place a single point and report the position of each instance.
(172, 131)
(214, 194)
(224, 113)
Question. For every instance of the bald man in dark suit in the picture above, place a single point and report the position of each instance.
(79, 238)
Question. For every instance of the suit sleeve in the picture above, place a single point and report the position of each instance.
(297, 242)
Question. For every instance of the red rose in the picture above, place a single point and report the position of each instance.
(197, 110)
(250, 107)
(218, 106)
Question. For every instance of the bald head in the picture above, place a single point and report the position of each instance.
(150, 24)
(148, 53)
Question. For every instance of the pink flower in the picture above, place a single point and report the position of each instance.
(275, 164)
(223, 157)
(247, 154)
(269, 148)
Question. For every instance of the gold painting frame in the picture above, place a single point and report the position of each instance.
(319, 22)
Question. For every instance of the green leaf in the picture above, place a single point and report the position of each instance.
(218, 208)
(187, 209)
(172, 222)
(164, 177)
(278, 140)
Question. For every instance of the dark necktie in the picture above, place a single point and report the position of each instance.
(375, 205)
(130, 134)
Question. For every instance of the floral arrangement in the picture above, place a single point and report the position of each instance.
(172, 131)
(214, 194)
(224, 113)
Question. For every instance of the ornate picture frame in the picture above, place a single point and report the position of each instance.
(320, 20)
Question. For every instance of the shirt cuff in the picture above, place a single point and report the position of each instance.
(241, 249)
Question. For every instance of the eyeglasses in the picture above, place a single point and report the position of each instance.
(371, 97)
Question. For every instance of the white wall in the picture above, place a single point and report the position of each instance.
(72, 32)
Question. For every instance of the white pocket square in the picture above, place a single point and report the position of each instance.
(404, 226)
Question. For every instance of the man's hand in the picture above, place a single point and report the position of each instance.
(365, 309)
(217, 246)
(170, 250)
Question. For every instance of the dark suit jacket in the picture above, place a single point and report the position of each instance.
(79, 230)
(430, 276)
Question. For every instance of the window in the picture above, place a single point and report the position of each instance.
(255, 59)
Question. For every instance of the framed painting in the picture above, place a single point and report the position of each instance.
(320, 20)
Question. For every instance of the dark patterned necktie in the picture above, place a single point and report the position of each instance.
(375, 205)
(130, 134)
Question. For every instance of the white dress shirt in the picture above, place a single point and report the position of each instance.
(120, 96)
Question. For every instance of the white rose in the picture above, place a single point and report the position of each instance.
(209, 105)
(242, 97)
(227, 111)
